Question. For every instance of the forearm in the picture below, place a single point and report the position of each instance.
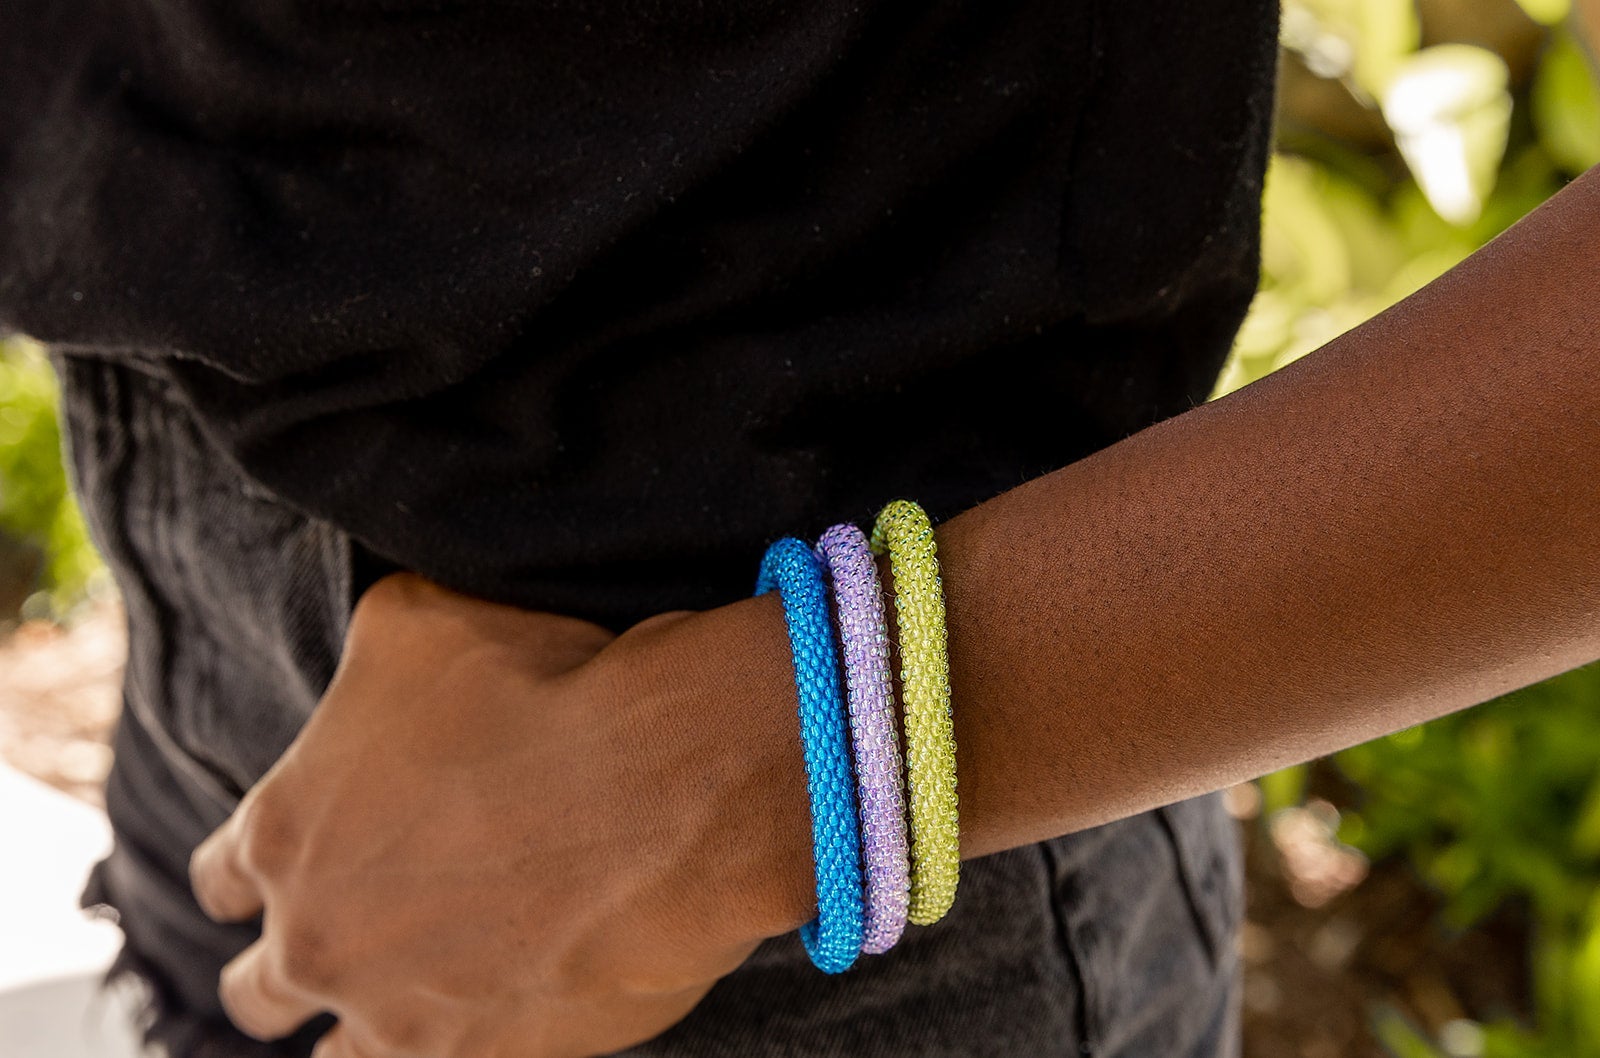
(1397, 526)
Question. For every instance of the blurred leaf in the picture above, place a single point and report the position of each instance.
(1526, 180)
(1302, 249)
(1546, 12)
(1586, 975)
(1387, 34)
(1450, 111)
(1372, 246)
(1566, 105)
(1586, 827)
(1400, 1038)
(1282, 789)
(36, 506)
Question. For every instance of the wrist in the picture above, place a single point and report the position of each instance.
(746, 708)
(769, 876)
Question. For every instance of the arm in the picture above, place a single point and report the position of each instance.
(1402, 524)
(1397, 526)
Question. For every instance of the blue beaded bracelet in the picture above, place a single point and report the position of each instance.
(833, 939)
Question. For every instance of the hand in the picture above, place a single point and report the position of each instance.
(507, 834)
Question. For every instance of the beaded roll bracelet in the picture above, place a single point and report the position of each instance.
(903, 529)
(833, 939)
(864, 636)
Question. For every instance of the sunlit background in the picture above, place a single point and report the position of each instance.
(1429, 895)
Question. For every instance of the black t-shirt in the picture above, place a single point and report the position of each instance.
(577, 305)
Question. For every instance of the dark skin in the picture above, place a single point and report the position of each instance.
(563, 838)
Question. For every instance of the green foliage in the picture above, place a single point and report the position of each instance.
(36, 506)
(1566, 105)
(1502, 802)
(1401, 1037)
(1547, 12)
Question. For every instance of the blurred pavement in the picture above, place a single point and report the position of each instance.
(51, 953)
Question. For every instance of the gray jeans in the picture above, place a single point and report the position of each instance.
(1116, 942)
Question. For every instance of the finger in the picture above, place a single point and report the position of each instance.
(221, 886)
(338, 1043)
(257, 998)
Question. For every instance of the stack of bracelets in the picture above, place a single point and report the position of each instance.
(871, 879)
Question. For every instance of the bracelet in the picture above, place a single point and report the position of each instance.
(833, 939)
(864, 635)
(904, 531)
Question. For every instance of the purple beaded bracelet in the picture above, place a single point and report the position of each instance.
(864, 634)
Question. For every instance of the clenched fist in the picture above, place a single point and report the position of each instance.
(507, 834)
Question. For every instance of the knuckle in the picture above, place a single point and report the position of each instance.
(239, 1000)
(656, 623)
(400, 1032)
(231, 993)
(245, 1020)
(564, 975)
(269, 836)
(308, 959)
(199, 869)
(395, 592)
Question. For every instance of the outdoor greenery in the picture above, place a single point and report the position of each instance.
(46, 560)
(1410, 134)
